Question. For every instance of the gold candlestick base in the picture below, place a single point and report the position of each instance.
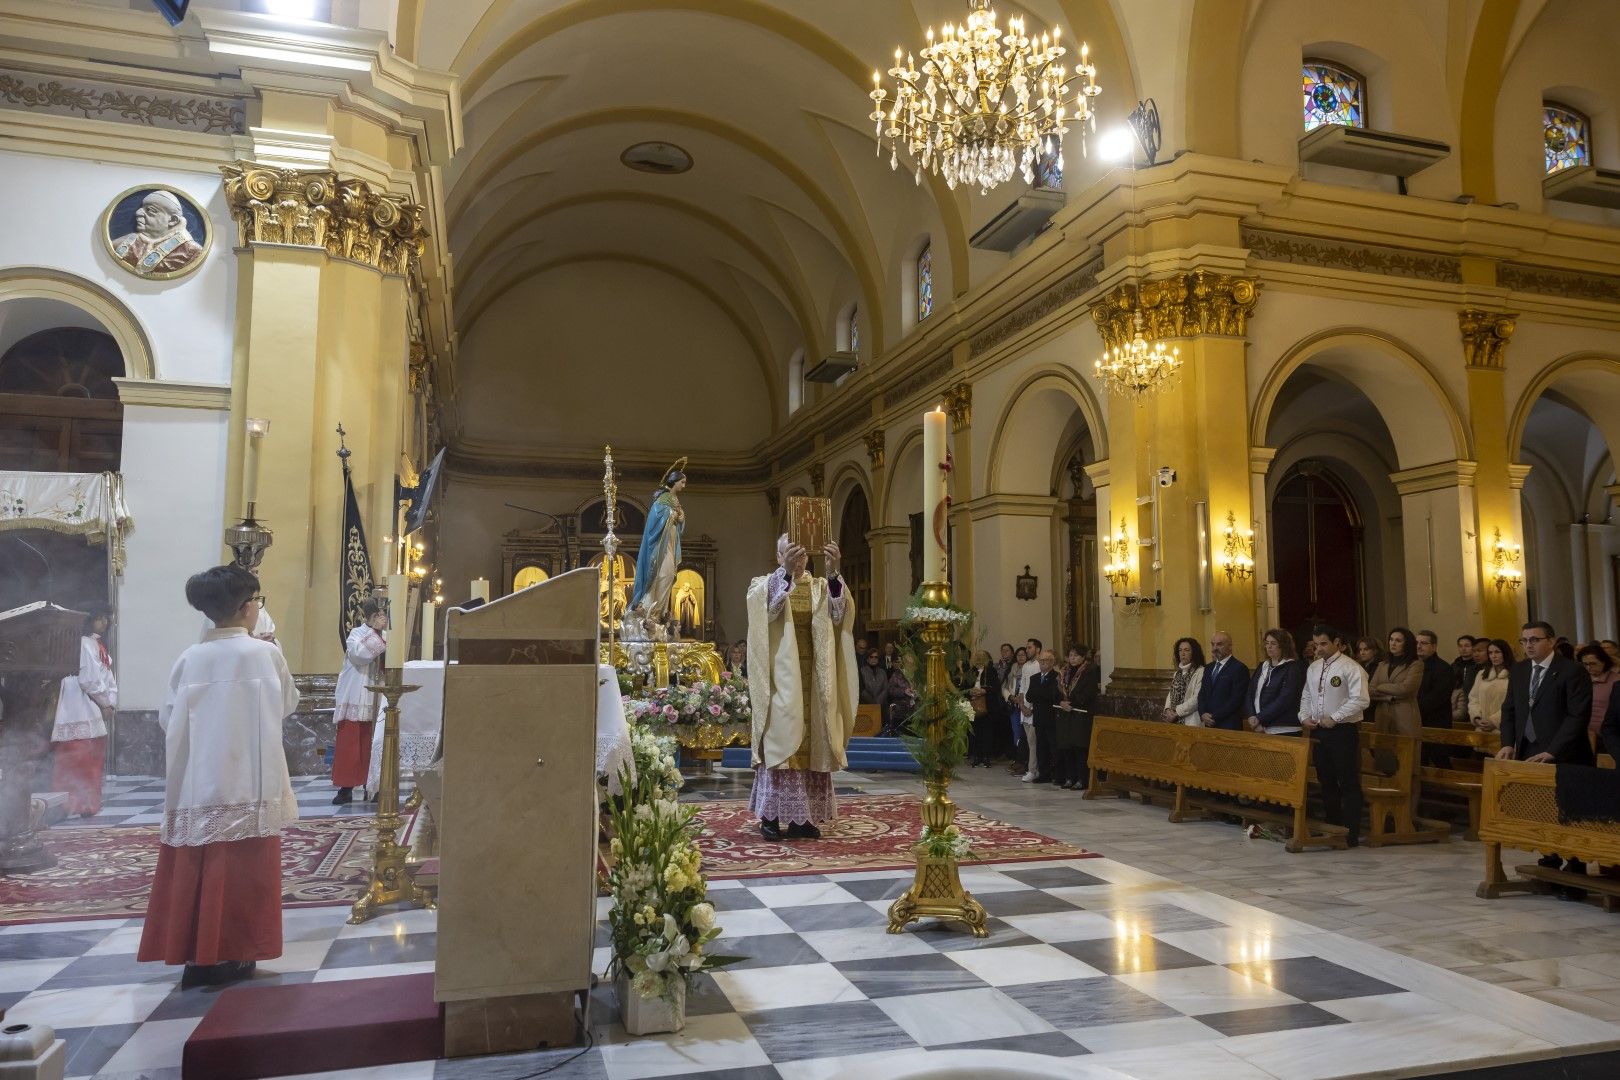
(390, 883)
(936, 892)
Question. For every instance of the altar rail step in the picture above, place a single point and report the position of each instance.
(865, 755)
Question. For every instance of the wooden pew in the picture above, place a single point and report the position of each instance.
(1389, 775)
(1265, 768)
(1441, 781)
(1518, 808)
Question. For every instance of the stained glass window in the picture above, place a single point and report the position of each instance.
(925, 283)
(1049, 170)
(1566, 138)
(1333, 95)
(855, 330)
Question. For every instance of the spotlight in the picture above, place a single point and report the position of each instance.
(1116, 144)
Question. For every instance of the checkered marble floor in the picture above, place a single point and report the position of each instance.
(1090, 961)
(138, 800)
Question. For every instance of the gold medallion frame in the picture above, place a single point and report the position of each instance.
(105, 232)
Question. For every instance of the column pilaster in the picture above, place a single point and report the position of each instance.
(1444, 586)
(959, 406)
(1485, 338)
(877, 457)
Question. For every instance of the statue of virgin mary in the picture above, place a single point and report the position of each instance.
(660, 554)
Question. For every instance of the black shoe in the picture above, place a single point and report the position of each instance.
(1575, 866)
(1352, 841)
(344, 796)
(1551, 862)
(199, 975)
(235, 971)
(771, 830)
(805, 831)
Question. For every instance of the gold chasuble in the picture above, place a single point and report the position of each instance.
(802, 680)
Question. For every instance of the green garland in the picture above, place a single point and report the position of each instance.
(938, 758)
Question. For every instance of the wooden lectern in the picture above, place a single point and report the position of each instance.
(39, 645)
(517, 839)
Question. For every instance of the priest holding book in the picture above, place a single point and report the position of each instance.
(803, 684)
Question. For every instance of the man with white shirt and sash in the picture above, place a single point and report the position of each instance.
(1330, 708)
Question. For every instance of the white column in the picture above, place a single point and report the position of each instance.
(1009, 533)
(1101, 475)
(1437, 523)
(1268, 612)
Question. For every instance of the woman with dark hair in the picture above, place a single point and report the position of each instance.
(1394, 685)
(84, 704)
(1181, 703)
(1276, 686)
(1490, 686)
(1601, 668)
(1369, 654)
(737, 658)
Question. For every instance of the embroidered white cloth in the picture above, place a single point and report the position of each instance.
(81, 504)
(80, 697)
(227, 772)
(351, 700)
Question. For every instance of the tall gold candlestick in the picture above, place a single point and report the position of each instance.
(390, 883)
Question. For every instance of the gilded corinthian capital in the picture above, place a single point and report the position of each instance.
(959, 404)
(316, 208)
(874, 447)
(1485, 336)
(1183, 305)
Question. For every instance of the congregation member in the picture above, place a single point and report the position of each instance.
(1465, 667)
(1369, 654)
(1181, 703)
(1612, 648)
(874, 682)
(1028, 669)
(1331, 708)
(803, 688)
(84, 704)
(984, 691)
(216, 895)
(1602, 670)
(1439, 680)
(1078, 686)
(901, 700)
(891, 656)
(1220, 692)
(1490, 686)
(1012, 692)
(1307, 651)
(1394, 685)
(354, 705)
(1041, 696)
(1274, 690)
(737, 659)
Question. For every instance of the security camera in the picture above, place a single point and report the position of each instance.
(1166, 476)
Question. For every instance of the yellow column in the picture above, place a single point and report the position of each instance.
(322, 339)
(1485, 336)
(875, 454)
(959, 404)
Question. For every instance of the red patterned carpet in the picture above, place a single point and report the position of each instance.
(106, 873)
(873, 832)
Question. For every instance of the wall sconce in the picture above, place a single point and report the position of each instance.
(1024, 585)
(1237, 553)
(1505, 560)
(1118, 553)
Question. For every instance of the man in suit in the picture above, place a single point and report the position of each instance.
(1548, 705)
(1041, 695)
(1439, 679)
(1220, 695)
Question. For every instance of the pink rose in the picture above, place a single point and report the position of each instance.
(715, 710)
(669, 712)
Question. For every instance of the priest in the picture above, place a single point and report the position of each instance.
(804, 687)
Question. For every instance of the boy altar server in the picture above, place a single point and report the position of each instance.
(354, 705)
(84, 704)
(216, 898)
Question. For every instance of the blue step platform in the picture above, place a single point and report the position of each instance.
(865, 755)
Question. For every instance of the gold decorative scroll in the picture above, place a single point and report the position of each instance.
(1485, 335)
(809, 522)
(347, 218)
(1184, 305)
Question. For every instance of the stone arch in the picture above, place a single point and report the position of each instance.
(1056, 385)
(849, 475)
(1358, 356)
(45, 284)
(1594, 376)
(896, 456)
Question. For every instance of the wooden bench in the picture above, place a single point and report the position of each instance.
(1518, 808)
(1265, 768)
(1446, 782)
(1389, 775)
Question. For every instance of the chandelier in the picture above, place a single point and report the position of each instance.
(979, 105)
(1139, 367)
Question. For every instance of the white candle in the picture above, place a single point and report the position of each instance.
(429, 610)
(935, 518)
(480, 589)
(397, 621)
(250, 483)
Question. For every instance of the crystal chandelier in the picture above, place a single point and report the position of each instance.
(978, 105)
(1139, 367)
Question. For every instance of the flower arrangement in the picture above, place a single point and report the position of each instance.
(936, 732)
(660, 920)
(724, 702)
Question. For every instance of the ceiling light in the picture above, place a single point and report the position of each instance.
(1116, 144)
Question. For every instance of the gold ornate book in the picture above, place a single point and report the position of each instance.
(809, 522)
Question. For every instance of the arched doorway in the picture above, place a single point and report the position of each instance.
(1319, 570)
(854, 522)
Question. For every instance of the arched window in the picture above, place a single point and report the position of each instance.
(925, 282)
(855, 330)
(59, 407)
(1566, 137)
(795, 382)
(1333, 95)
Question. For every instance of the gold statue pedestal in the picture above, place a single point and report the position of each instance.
(937, 891)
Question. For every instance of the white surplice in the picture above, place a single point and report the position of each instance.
(80, 697)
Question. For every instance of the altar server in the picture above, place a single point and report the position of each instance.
(216, 896)
(355, 706)
(84, 704)
(805, 690)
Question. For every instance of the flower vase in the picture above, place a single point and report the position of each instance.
(648, 1016)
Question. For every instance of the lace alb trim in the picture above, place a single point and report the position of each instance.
(612, 754)
(74, 730)
(193, 826)
(793, 796)
(415, 754)
(350, 713)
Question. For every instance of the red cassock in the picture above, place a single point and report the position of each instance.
(215, 902)
(352, 758)
(78, 771)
